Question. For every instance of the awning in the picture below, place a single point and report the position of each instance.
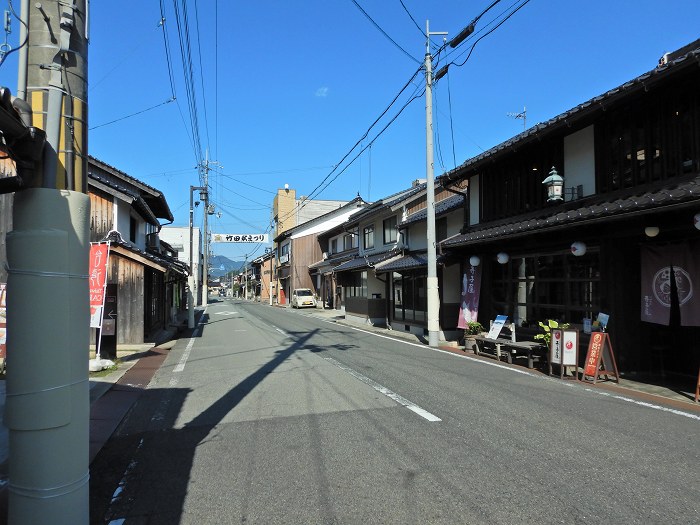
(364, 261)
(407, 262)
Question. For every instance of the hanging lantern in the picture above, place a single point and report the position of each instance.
(474, 260)
(653, 231)
(578, 248)
(555, 186)
(502, 258)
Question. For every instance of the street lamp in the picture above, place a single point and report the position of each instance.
(555, 185)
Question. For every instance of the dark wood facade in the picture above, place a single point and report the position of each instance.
(643, 169)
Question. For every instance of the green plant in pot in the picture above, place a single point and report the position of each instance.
(473, 328)
(548, 325)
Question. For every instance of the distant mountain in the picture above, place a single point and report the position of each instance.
(220, 265)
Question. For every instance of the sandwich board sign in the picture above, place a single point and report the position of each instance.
(563, 349)
(600, 360)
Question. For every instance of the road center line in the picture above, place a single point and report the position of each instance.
(383, 390)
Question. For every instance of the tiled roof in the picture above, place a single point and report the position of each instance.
(409, 261)
(386, 203)
(609, 207)
(442, 207)
(365, 261)
(169, 262)
(138, 203)
(599, 103)
(333, 260)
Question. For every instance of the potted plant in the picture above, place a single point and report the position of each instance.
(547, 327)
(473, 328)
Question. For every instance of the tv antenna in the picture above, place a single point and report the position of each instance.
(522, 115)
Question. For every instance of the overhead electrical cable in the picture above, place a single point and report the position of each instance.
(132, 114)
(201, 73)
(188, 72)
(166, 44)
(385, 33)
(413, 19)
(362, 138)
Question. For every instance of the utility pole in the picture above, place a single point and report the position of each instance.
(47, 407)
(205, 196)
(192, 279)
(432, 280)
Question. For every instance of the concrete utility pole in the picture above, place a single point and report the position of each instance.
(192, 280)
(432, 281)
(47, 407)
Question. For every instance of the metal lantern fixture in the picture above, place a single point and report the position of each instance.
(502, 258)
(474, 260)
(555, 185)
(578, 248)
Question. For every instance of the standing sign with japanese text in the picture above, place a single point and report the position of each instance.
(600, 360)
(563, 349)
(3, 320)
(99, 254)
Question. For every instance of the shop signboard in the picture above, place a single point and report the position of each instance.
(99, 254)
(3, 320)
(600, 360)
(563, 349)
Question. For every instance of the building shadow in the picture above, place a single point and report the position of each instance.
(149, 461)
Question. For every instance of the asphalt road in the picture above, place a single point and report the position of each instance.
(274, 416)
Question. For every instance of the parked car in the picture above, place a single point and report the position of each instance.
(303, 297)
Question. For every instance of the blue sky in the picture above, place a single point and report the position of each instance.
(285, 88)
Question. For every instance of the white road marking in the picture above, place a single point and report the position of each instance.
(526, 373)
(383, 390)
(186, 354)
(225, 312)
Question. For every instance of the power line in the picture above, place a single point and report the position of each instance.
(413, 19)
(132, 114)
(167, 50)
(384, 32)
(201, 72)
(314, 192)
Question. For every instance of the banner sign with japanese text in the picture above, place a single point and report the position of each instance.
(3, 320)
(669, 276)
(239, 237)
(471, 289)
(99, 254)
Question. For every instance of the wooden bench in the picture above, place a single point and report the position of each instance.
(510, 349)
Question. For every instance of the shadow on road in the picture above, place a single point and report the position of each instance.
(150, 461)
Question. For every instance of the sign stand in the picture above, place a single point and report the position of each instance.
(99, 255)
(600, 360)
(563, 350)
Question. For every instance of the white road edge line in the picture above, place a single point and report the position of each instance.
(186, 354)
(523, 372)
(383, 390)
